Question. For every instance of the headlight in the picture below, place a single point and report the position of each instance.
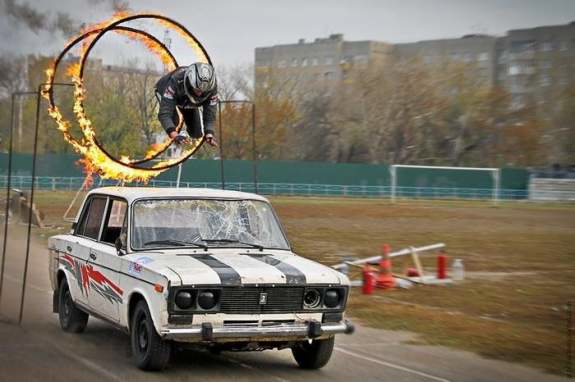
(311, 299)
(332, 298)
(184, 299)
(207, 299)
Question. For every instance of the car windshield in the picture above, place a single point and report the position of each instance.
(161, 223)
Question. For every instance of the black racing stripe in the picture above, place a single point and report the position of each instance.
(293, 275)
(228, 276)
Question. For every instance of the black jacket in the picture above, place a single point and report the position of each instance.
(171, 93)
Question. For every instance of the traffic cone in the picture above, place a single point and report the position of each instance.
(385, 279)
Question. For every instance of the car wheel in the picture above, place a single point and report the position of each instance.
(72, 319)
(313, 354)
(149, 351)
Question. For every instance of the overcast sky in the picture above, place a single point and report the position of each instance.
(230, 30)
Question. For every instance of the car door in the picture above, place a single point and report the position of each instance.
(78, 250)
(106, 296)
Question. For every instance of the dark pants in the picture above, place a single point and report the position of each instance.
(192, 120)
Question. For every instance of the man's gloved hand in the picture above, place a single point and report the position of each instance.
(211, 140)
(179, 138)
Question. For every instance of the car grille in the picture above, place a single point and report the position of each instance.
(246, 300)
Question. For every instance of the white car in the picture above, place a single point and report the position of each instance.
(194, 266)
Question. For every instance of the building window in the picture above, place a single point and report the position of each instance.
(304, 61)
(360, 58)
(294, 62)
(329, 60)
(514, 70)
(281, 64)
(544, 80)
(454, 56)
(546, 65)
(563, 46)
(547, 46)
(522, 46)
(314, 62)
(483, 56)
(329, 75)
(467, 57)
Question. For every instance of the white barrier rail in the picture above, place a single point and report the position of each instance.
(405, 251)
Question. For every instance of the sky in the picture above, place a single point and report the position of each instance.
(230, 30)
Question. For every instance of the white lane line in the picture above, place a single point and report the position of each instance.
(86, 362)
(250, 367)
(392, 365)
(92, 365)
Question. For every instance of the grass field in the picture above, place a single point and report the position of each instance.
(520, 260)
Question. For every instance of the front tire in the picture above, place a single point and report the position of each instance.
(313, 354)
(149, 351)
(72, 319)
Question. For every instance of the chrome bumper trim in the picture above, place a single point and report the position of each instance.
(303, 330)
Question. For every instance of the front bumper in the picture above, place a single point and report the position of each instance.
(207, 333)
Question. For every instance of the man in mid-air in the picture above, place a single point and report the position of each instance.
(188, 88)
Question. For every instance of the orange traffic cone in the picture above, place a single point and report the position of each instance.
(385, 279)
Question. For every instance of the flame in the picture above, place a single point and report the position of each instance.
(95, 159)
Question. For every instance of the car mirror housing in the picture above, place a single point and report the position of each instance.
(119, 246)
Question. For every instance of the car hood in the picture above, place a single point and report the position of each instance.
(235, 268)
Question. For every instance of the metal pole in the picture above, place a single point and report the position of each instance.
(35, 152)
(497, 180)
(254, 149)
(31, 202)
(392, 173)
(570, 333)
(179, 175)
(221, 146)
(9, 185)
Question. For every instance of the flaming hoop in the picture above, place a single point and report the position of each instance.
(96, 157)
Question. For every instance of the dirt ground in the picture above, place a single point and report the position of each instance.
(519, 259)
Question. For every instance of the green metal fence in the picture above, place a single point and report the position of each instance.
(295, 178)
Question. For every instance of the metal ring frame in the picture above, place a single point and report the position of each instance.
(78, 85)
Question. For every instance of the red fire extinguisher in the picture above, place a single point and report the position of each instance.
(368, 280)
(441, 265)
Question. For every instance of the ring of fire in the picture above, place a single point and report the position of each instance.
(99, 160)
(152, 154)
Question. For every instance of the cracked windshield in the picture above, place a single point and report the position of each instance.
(205, 223)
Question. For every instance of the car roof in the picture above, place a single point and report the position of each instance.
(133, 193)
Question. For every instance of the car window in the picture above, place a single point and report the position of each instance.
(92, 219)
(114, 220)
(160, 222)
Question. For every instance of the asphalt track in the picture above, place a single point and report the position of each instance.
(40, 351)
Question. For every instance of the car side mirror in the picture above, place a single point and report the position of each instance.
(119, 246)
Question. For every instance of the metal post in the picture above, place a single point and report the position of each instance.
(34, 160)
(254, 150)
(570, 333)
(34, 157)
(254, 147)
(392, 174)
(221, 145)
(9, 185)
(497, 185)
(179, 175)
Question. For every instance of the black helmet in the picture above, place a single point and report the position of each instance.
(199, 81)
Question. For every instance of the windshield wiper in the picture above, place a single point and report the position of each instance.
(176, 242)
(254, 245)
